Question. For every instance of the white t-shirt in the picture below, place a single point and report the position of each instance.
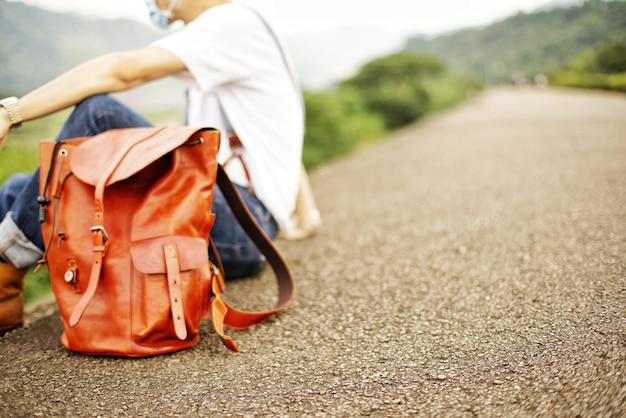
(230, 54)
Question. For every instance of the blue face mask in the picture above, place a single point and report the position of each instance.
(161, 19)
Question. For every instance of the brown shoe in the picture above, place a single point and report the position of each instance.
(11, 301)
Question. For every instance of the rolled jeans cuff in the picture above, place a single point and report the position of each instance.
(15, 247)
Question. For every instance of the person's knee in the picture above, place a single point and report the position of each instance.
(97, 114)
(92, 107)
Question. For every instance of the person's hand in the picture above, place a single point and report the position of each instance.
(5, 125)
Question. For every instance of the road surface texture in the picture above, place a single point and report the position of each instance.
(473, 264)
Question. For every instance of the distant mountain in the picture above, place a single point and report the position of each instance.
(36, 45)
(527, 44)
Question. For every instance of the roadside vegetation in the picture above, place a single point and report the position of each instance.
(603, 68)
(386, 94)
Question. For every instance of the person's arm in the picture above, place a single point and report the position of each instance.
(107, 74)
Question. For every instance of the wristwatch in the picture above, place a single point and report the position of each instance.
(10, 104)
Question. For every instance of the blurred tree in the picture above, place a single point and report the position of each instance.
(392, 86)
(611, 59)
(335, 124)
(398, 103)
(401, 67)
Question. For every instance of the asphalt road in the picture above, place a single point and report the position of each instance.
(473, 264)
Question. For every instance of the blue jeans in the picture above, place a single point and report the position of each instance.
(21, 242)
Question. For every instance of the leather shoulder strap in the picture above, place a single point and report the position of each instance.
(286, 286)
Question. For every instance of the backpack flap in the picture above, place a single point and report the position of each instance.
(120, 153)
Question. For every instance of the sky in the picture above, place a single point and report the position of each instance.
(289, 16)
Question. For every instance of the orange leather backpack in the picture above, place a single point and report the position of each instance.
(126, 217)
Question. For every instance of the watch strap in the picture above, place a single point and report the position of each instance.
(10, 104)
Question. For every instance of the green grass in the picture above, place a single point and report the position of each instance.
(21, 151)
(445, 92)
(36, 285)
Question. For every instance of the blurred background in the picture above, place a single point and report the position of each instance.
(367, 68)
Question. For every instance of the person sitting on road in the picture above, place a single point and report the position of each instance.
(236, 73)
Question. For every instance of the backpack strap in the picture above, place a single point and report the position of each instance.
(221, 313)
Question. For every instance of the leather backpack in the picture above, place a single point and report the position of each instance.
(126, 217)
